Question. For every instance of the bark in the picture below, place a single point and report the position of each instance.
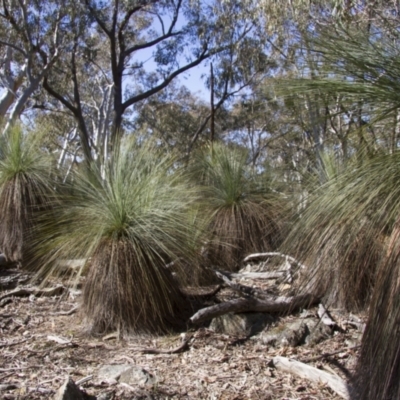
(277, 305)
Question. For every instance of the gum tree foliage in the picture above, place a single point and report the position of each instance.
(116, 40)
(32, 37)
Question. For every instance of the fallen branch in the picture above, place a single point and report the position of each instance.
(202, 292)
(84, 380)
(326, 355)
(13, 343)
(237, 287)
(276, 305)
(69, 312)
(20, 368)
(260, 275)
(48, 292)
(12, 386)
(274, 254)
(305, 371)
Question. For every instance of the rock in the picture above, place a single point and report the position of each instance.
(112, 372)
(126, 373)
(292, 334)
(106, 396)
(70, 391)
(137, 376)
(241, 324)
(318, 331)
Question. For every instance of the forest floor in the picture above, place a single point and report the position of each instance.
(42, 342)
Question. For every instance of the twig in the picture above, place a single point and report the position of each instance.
(69, 312)
(13, 344)
(165, 351)
(325, 355)
(55, 291)
(84, 380)
(19, 368)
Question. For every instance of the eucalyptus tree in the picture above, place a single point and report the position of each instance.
(175, 35)
(32, 36)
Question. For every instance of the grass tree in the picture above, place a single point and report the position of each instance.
(352, 225)
(335, 234)
(244, 217)
(25, 186)
(128, 219)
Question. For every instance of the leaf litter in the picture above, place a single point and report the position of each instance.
(42, 343)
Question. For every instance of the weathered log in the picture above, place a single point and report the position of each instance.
(237, 287)
(313, 374)
(273, 305)
(274, 254)
(260, 275)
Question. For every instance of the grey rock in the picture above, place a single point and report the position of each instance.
(292, 334)
(126, 373)
(318, 331)
(70, 391)
(241, 324)
(137, 376)
(111, 372)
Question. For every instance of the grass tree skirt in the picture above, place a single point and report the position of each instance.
(240, 230)
(378, 371)
(129, 291)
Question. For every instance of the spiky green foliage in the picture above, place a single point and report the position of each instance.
(343, 236)
(128, 221)
(361, 66)
(25, 185)
(243, 217)
(355, 214)
(338, 236)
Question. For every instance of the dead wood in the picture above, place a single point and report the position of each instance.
(84, 380)
(273, 305)
(274, 254)
(69, 312)
(13, 343)
(200, 292)
(313, 374)
(20, 292)
(325, 317)
(260, 275)
(237, 287)
(326, 355)
(359, 326)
